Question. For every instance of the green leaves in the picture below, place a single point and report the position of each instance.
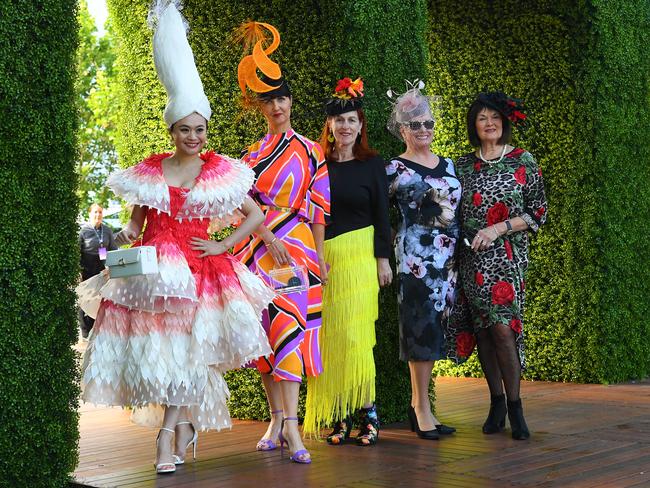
(97, 107)
(39, 260)
(581, 69)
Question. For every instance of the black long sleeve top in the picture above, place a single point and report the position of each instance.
(90, 240)
(359, 198)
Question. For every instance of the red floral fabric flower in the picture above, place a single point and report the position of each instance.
(477, 199)
(503, 293)
(343, 84)
(497, 213)
(465, 343)
(517, 115)
(515, 324)
(508, 247)
(515, 153)
(520, 175)
(478, 278)
(477, 166)
(540, 212)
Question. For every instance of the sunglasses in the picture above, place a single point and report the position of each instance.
(414, 125)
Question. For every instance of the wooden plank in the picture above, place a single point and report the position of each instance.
(583, 435)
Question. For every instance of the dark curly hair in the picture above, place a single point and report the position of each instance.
(491, 100)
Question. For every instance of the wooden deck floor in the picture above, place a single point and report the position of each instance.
(583, 436)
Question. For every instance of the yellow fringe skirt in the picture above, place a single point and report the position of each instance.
(350, 309)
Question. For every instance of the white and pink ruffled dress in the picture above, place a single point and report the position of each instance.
(166, 339)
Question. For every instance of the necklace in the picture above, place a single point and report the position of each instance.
(492, 161)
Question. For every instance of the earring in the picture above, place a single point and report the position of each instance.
(330, 137)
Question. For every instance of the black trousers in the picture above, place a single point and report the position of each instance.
(85, 323)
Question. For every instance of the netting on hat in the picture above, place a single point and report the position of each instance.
(409, 105)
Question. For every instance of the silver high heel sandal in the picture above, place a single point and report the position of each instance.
(195, 438)
(164, 468)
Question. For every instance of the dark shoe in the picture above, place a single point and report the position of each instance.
(517, 422)
(431, 435)
(369, 427)
(445, 429)
(341, 432)
(496, 419)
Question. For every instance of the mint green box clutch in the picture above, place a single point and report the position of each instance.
(133, 261)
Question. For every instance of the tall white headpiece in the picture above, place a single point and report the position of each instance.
(174, 62)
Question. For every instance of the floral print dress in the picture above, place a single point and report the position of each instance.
(492, 282)
(428, 200)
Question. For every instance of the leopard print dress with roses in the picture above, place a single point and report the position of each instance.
(428, 200)
(492, 282)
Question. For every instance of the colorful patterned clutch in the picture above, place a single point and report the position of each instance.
(290, 279)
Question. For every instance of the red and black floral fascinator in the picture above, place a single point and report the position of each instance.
(510, 108)
(346, 97)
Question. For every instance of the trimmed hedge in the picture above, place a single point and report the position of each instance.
(550, 53)
(39, 256)
(615, 103)
(582, 68)
(318, 46)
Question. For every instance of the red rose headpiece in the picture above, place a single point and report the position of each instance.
(511, 108)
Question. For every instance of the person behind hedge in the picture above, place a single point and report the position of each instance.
(426, 191)
(357, 248)
(292, 187)
(95, 240)
(163, 340)
(503, 201)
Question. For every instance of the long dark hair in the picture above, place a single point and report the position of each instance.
(361, 150)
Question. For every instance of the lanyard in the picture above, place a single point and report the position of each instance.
(100, 235)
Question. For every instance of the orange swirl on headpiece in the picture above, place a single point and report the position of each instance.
(252, 34)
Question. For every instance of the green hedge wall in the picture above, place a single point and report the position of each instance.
(582, 68)
(39, 258)
(319, 45)
(586, 287)
(615, 100)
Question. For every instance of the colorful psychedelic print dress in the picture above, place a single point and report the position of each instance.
(292, 187)
(424, 248)
(166, 338)
(492, 282)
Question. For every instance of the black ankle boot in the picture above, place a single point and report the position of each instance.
(496, 419)
(517, 421)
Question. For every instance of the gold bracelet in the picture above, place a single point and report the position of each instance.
(496, 233)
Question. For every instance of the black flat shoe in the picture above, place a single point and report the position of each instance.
(431, 435)
(445, 429)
